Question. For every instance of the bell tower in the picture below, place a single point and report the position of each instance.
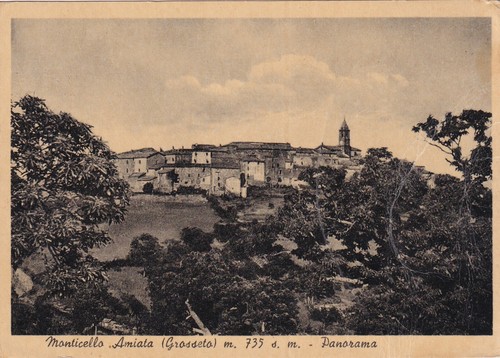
(345, 138)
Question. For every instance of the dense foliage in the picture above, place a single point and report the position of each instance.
(64, 185)
(226, 293)
(421, 242)
(415, 245)
(387, 249)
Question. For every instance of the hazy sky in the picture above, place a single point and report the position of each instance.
(167, 82)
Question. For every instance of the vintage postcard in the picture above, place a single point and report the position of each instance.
(249, 179)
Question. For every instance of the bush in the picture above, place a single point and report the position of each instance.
(143, 250)
(148, 188)
(327, 315)
(280, 265)
(197, 239)
(186, 190)
(227, 231)
(229, 213)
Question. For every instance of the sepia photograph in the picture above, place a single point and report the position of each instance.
(251, 177)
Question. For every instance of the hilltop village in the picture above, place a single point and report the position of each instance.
(231, 168)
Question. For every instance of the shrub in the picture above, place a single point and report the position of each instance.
(197, 239)
(148, 188)
(327, 315)
(186, 190)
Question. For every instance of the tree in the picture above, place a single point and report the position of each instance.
(225, 302)
(302, 221)
(197, 239)
(323, 177)
(448, 136)
(143, 250)
(465, 242)
(64, 185)
(441, 282)
(423, 248)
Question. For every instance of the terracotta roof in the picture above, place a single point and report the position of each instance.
(165, 170)
(178, 151)
(197, 146)
(226, 164)
(261, 145)
(252, 159)
(332, 148)
(329, 149)
(146, 178)
(137, 153)
(219, 150)
(156, 166)
(305, 150)
(185, 165)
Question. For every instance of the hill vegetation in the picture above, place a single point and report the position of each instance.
(391, 250)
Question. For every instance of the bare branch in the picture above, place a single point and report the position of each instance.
(202, 329)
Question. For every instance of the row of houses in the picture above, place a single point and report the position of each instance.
(230, 168)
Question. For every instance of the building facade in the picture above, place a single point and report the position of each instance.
(138, 161)
(231, 168)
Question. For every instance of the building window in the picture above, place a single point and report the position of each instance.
(139, 161)
(195, 154)
(279, 172)
(218, 184)
(189, 175)
(127, 170)
(207, 161)
(206, 154)
(127, 161)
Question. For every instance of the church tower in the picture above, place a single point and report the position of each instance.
(345, 138)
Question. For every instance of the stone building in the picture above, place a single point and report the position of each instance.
(254, 170)
(304, 158)
(138, 180)
(137, 161)
(178, 156)
(202, 154)
(279, 168)
(202, 157)
(190, 175)
(234, 166)
(166, 179)
(224, 175)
